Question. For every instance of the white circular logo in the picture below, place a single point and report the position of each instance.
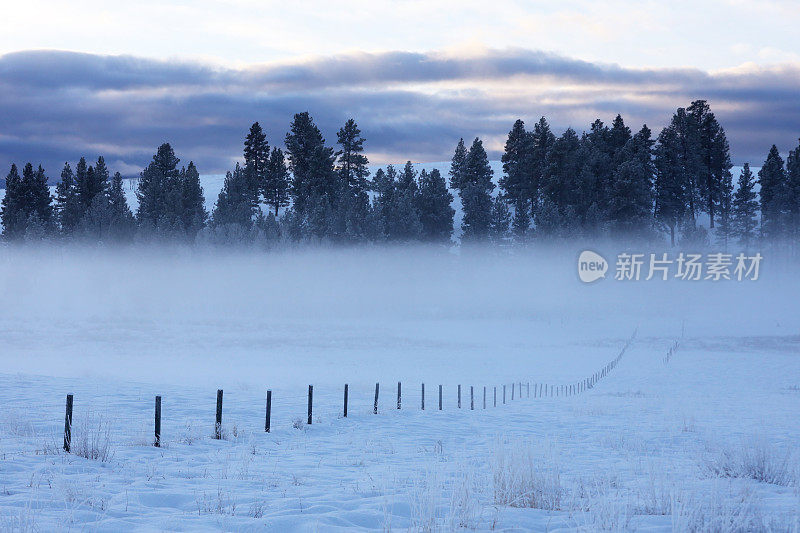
(591, 266)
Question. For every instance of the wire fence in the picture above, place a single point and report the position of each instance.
(136, 420)
(672, 349)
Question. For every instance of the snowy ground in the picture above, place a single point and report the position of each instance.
(706, 441)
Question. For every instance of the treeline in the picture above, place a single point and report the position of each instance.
(610, 182)
(605, 182)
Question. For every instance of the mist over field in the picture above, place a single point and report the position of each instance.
(321, 313)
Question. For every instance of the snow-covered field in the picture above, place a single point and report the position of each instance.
(705, 441)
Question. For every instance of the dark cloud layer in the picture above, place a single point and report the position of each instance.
(56, 106)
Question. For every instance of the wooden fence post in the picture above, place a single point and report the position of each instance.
(375, 407)
(345, 400)
(495, 397)
(512, 391)
(398, 395)
(310, 402)
(218, 422)
(157, 442)
(68, 425)
(268, 417)
(504, 394)
(471, 399)
(484, 397)
(423, 397)
(440, 397)
(459, 396)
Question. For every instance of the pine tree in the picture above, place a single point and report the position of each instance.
(403, 223)
(193, 202)
(233, 205)
(618, 137)
(517, 181)
(320, 217)
(671, 193)
(311, 163)
(562, 181)
(38, 195)
(712, 155)
(475, 192)
(631, 198)
(352, 167)
(521, 223)
(82, 187)
(384, 185)
(12, 207)
(27, 205)
(793, 194)
(96, 219)
(744, 209)
(256, 160)
(772, 178)
(159, 191)
(380, 182)
(457, 166)
(353, 173)
(595, 181)
(400, 203)
(407, 180)
(550, 221)
(375, 230)
(90, 181)
(542, 141)
(101, 176)
(435, 212)
(122, 223)
(68, 209)
(689, 163)
(724, 223)
(276, 189)
(499, 222)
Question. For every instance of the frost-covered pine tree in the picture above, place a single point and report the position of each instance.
(193, 202)
(521, 223)
(352, 163)
(499, 222)
(311, 163)
(159, 192)
(256, 160)
(27, 204)
(276, 188)
(12, 211)
(744, 211)
(517, 180)
(90, 181)
(563, 177)
(233, 205)
(457, 166)
(542, 140)
(793, 194)
(725, 218)
(122, 221)
(402, 218)
(772, 178)
(435, 212)
(630, 204)
(476, 189)
(67, 209)
(671, 193)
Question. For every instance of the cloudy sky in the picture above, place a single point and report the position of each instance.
(92, 77)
